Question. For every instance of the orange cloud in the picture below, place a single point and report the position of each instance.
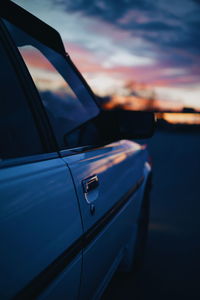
(180, 118)
(141, 79)
(36, 59)
(140, 104)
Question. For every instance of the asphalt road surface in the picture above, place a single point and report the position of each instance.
(171, 268)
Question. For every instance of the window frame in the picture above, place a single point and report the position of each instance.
(32, 98)
(17, 16)
(31, 94)
(51, 38)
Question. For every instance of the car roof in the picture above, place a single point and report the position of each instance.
(31, 25)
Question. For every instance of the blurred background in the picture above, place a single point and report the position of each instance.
(144, 55)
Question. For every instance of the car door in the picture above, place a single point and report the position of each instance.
(109, 207)
(40, 224)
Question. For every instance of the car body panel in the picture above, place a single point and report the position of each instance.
(65, 286)
(102, 257)
(119, 167)
(112, 166)
(36, 226)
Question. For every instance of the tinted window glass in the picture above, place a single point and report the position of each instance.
(18, 135)
(67, 101)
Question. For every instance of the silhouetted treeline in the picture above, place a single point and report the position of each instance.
(164, 125)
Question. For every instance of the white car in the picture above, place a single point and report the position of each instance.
(73, 186)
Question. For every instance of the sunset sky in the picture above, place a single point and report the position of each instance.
(150, 44)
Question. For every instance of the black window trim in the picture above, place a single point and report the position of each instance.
(30, 93)
(22, 16)
(51, 149)
(51, 38)
(34, 100)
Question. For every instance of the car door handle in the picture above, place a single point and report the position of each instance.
(90, 183)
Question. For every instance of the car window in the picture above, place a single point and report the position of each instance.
(18, 135)
(67, 101)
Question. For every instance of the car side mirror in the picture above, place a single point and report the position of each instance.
(124, 124)
(135, 124)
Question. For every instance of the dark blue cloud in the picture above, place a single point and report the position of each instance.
(110, 11)
(172, 28)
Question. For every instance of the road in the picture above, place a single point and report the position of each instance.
(171, 268)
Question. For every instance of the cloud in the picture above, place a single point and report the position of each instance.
(112, 42)
(166, 27)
